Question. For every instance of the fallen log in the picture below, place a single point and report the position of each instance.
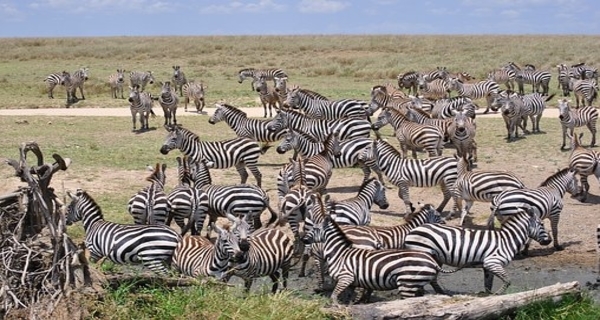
(459, 306)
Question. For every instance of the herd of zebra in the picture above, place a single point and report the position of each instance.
(327, 134)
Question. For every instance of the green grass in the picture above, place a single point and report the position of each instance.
(571, 307)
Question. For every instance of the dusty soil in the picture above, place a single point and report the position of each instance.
(577, 228)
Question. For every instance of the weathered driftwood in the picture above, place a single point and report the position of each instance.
(459, 307)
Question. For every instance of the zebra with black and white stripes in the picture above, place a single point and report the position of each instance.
(434, 89)
(546, 201)
(252, 73)
(564, 75)
(409, 80)
(438, 73)
(481, 185)
(178, 79)
(281, 89)
(115, 81)
(585, 90)
(537, 79)
(268, 97)
(168, 101)
(53, 80)
(445, 108)
(461, 133)
(412, 135)
(420, 116)
(583, 71)
(514, 112)
(196, 256)
(584, 162)
(407, 271)
(193, 91)
(503, 75)
(421, 173)
(479, 90)
(380, 99)
(140, 103)
(265, 252)
(151, 204)
(570, 119)
(141, 79)
(318, 128)
(357, 210)
(151, 245)
(318, 108)
(492, 249)
(238, 152)
(76, 81)
(246, 127)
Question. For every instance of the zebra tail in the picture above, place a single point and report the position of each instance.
(152, 114)
(442, 270)
(274, 217)
(548, 98)
(265, 147)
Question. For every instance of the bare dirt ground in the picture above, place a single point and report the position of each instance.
(577, 228)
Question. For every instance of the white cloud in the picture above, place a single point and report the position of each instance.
(510, 13)
(148, 6)
(243, 6)
(9, 11)
(322, 6)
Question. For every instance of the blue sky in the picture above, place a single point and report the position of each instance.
(66, 18)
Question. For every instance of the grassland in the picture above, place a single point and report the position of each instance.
(108, 158)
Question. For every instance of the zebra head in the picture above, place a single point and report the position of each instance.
(173, 140)
(134, 93)
(281, 84)
(535, 228)
(239, 244)
(379, 198)
(84, 73)
(290, 141)
(223, 244)
(427, 214)
(279, 122)
(219, 114)
(245, 73)
(165, 89)
(65, 78)
(177, 72)
(293, 98)
(120, 75)
(150, 77)
(260, 84)
(421, 82)
(563, 108)
(80, 204)
(382, 119)
(73, 213)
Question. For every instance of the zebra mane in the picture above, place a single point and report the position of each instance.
(380, 87)
(421, 112)
(312, 94)
(305, 135)
(561, 172)
(192, 134)
(409, 73)
(333, 203)
(387, 146)
(234, 110)
(247, 69)
(82, 193)
(578, 65)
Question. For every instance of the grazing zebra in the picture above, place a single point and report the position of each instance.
(534, 77)
(445, 108)
(357, 210)
(115, 81)
(411, 135)
(151, 205)
(479, 90)
(195, 92)
(409, 80)
(265, 252)
(187, 201)
(318, 108)
(352, 152)
(251, 73)
(584, 90)
(141, 79)
(318, 128)
(246, 127)
(421, 173)
(52, 80)
(196, 256)
(584, 162)
(461, 133)
(546, 201)
(230, 201)
(435, 89)
(584, 116)
(168, 101)
(492, 249)
(151, 245)
(407, 271)
(268, 97)
(178, 79)
(481, 185)
(503, 75)
(238, 152)
(75, 81)
(140, 103)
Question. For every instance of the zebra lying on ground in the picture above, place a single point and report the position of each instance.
(151, 245)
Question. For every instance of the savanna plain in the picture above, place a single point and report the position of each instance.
(109, 160)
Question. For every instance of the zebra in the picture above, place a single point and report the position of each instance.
(461, 133)
(230, 201)
(115, 81)
(281, 89)
(151, 245)
(195, 92)
(196, 256)
(584, 162)
(187, 201)
(318, 108)
(54, 79)
(482, 89)
(503, 75)
(140, 103)
(178, 79)
(246, 127)
(564, 75)
(238, 152)
(438, 73)
(381, 99)
(76, 81)
(168, 101)
(357, 210)
(421, 173)
(534, 77)
(320, 129)
(569, 119)
(583, 71)
(514, 112)
(151, 205)
(445, 108)
(481, 185)
(435, 89)
(409, 80)
(141, 79)
(352, 152)
(420, 116)
(407, 271)
(584, 90)
(492, 249)
(252, 73)
(261, 253)
(412, 135)
(268, 97)
(546, 201)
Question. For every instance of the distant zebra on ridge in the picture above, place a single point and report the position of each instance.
(141, 79)
(52, 80)
(178, 79)
(252, 73)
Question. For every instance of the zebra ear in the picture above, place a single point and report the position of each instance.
(164, 167)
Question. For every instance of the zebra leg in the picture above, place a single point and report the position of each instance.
(248, 284)
(305, 257)
(554, 225)
(465, 211)
(255, 172)
(585, 187)
(343, 282)
(157, 266)
(275, 278)
(437, 287)
(491, 269)
(173, 113)
(592, 127)
(241, 169)
(404, 196)
(447, 195)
